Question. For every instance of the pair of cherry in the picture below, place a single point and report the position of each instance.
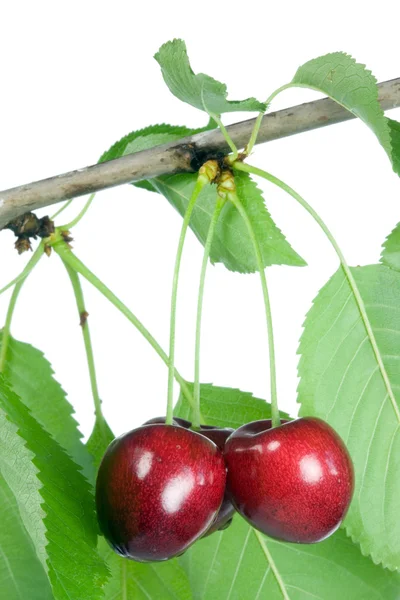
(161, 487)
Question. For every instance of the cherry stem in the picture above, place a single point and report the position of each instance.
(232, 197)
(253, 138)
(80, 303)
(347, 271)
(73, 261)
(84, 210)
(202, 180)
(60, 210)
(226, 135)
(19, 282)
(207, 248)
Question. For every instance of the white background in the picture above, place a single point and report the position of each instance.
(77, 76)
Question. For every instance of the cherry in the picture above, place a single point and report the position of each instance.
(219, 437)
(159, 488)
(293, 482)
(226, 512)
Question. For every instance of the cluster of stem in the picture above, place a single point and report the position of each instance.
(209, 173)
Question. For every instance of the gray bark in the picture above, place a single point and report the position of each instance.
(177, 157)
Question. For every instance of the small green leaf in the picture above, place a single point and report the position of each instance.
(21, 574)
(225, 407)
(352, 86)
(394, 127)
(201, 91)
(54, 499)
(232, 245)
(31, 377)
(343, 383)
(143, 139)
(391, 249)
(240, 563)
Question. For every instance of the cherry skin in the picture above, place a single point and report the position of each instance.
(226, 512)
(218, 436)
(294, 482)
(159, 488)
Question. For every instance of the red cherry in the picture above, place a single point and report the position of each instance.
(293, 482)
(159, 488)
(226, 512)
(219, 437)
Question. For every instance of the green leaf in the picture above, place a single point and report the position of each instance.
(31, 377)
(55, 501)
(391, 249)
(129, 579)
(394, 127)
(223, 406)
(21, 574)
(201, 91)
(342, 382)
(149, 137)
(99, 440)
(232, 245)
(240, 563)
(352, 86)
(146, 138)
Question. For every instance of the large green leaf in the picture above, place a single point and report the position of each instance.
(391, 249)
(343, 383)
(222, 406)
(129, 579)
(55, 501)
(21, 574)
(231, 245)
(201, 91)
(240, 563)
(352, 86)
(30, 375)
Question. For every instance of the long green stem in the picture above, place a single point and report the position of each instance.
(272, 368)
(84, 210)
(60, 210)
(207, 248)
(353, 285)
(226, 135)
(200, 183)
(80, 303)
(73, 261)
(36, 256)
(19, 282)
(257, 125)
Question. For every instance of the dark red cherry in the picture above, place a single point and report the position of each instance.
(293, 482)
(218, 436)
(226, 512)
(159, 488)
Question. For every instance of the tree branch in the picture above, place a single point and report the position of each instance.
(187, 155)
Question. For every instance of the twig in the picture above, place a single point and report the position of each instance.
(187, 155)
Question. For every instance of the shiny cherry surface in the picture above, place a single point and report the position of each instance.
(159, 488)
(219, 436)
(294, 482)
